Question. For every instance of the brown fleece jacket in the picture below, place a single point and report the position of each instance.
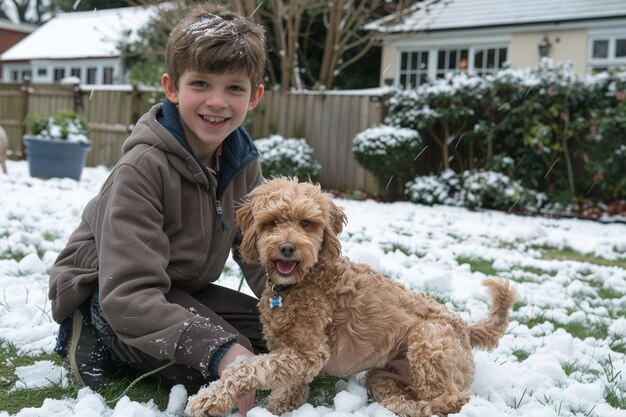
(154, 226)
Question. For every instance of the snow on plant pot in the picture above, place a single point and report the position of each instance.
(287, 157)
(56, 146)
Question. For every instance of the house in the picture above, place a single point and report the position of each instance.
(435, 37)
(77, 44)
(11, 33)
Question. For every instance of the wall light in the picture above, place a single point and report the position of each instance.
(545, 47)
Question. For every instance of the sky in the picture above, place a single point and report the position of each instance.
(425, 248)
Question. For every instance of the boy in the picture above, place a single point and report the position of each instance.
(133, 285)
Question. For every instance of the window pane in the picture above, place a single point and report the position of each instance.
(491, 58)
(620, 48)
(403, 60)
(91, 75)
(423, 78)
(403, 80)
(107, 76)
(42, 71)
(441, 60)
(502, 57)
(478, 59)
(59, 73)
(600, 49)
(463, 62)
(424, 61)
(414, 57)
(452, 63)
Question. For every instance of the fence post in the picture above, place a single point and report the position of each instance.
(25, 111)
(78, 104)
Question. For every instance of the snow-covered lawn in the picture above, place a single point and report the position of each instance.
(562, 355)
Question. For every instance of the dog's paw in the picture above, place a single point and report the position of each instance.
(210, 401)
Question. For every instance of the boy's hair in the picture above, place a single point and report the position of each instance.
(211, 38)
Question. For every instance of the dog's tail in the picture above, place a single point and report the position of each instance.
(485, 334)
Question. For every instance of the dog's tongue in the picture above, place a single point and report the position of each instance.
(285, 267)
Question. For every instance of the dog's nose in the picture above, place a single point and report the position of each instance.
(287, 249)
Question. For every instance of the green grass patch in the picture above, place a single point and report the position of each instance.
(578, 330)
(322, 389)
(568, 254)
(393, 247)
(478, 265)
(521, 354)
(537, 271)
(14, 401)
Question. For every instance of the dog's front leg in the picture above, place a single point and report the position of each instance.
(288, 370)
(288, 397)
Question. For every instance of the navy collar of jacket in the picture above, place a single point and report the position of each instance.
(237, 149)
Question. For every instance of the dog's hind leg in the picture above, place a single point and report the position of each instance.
(288, 397)
(442, 367)
(393, 394)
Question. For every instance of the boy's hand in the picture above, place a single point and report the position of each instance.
(245, 403)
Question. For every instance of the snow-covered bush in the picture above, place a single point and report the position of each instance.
(473, 189)
(559, 133)
(287, 157)
(66, 125)
(434, 189)
(489, 189)
(389, 153)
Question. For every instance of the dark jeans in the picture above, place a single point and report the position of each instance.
(234, 311)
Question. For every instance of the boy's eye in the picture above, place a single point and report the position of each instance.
(199, 83)
(237, 88)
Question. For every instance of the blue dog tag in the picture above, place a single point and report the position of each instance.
(276, 301)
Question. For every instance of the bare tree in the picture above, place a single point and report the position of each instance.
(28, 11)
(286, 19)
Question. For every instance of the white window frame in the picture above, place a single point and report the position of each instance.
(433, 56)
(611, 60)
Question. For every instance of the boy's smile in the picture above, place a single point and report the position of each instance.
(211, 106)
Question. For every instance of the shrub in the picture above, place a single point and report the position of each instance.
(66, 125)
(490, 189)
(287, 157)
(434, 189)
(389, 153)
(474, 189)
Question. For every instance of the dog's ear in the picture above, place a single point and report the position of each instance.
(331, 248)
(245, 219)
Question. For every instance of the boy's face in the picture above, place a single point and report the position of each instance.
(211, 106)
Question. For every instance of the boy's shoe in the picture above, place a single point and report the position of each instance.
(90, 361)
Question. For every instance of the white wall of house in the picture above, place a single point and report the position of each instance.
(567, 46)
(90, 71)
(597, 46)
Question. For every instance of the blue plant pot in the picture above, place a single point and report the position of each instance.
(55, 158)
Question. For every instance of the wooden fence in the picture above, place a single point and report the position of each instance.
(328, 121)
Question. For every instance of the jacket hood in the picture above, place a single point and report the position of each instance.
(161, 128)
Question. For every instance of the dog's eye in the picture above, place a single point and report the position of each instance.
(304, 223)
(273, 223)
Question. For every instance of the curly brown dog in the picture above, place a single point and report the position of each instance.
(323, 313)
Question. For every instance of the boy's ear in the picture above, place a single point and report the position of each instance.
(255, 97)
(169, 88)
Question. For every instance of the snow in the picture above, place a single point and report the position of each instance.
(92, 34)
(455, 14)
(426, 248)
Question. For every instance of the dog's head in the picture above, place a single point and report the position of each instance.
(288, 226)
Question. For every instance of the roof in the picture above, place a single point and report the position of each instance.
(92, 34)
(16, 27)
(435, 15)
